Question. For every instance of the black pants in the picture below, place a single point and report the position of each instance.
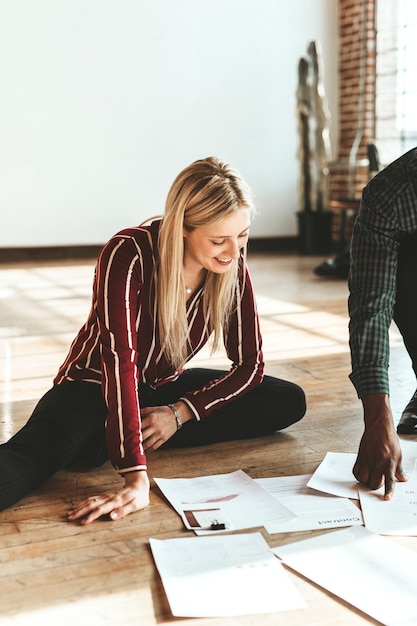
(405, 312)
(66, 428)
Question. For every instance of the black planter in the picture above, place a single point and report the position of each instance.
(315, 232)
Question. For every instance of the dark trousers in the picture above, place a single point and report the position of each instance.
(66, 428)
(405, 312)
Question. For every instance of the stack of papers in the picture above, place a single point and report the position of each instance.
(242, 574)
(234, 501)
(393, 517)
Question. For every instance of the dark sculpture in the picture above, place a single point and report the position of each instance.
(313, 127)
(314, 154)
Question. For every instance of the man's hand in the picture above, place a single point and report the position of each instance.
(379, 460)
(132, 497)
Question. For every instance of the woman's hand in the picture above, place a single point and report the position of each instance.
(159, 424)
(132, 497)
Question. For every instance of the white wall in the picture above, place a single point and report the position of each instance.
(104, 101)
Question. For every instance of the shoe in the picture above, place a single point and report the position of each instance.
(334, 268)
(408, 422)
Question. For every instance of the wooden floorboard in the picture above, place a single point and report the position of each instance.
(53, 572)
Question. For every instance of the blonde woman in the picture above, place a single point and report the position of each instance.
(161, 290)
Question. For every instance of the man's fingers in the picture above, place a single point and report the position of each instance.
(360, 473)
(401, 476)
(389, 488)
(389, 480)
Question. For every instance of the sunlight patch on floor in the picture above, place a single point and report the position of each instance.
(104, 608)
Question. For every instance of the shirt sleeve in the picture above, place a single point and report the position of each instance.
(372, 292)
(118, 286)
(387, 214)
(243, 345)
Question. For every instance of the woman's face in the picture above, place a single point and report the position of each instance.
(215, 246)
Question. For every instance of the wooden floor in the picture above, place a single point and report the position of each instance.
(53, 572)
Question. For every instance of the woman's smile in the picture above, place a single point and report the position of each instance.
(215, 246)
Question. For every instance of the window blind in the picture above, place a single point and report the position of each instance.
(396, 77)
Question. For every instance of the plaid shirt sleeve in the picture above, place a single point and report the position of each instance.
(388, 211)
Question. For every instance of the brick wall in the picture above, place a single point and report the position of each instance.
(356, 98)
(349, 172)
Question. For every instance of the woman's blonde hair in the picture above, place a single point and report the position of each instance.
(206, 191)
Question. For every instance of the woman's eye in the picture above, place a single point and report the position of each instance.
(218, 243)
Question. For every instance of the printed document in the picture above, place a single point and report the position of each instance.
(391, 517)
(222, 502)
(223, 575)
(370, 572)
(313, 509)
(334, 475)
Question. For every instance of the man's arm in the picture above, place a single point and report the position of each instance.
(379, 460)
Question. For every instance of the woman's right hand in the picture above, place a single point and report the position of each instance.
(115, 505)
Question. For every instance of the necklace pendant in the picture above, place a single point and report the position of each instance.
(188, 290)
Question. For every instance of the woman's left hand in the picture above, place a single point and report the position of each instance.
(159, 424)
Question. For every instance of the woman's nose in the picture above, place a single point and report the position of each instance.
(233, 249)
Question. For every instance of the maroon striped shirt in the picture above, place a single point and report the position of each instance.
(119, 345)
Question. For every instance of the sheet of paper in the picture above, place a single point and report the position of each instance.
(409, 450)
(313, 509)
(334, 474)
(366, 570)
(391, 517)
(223, 575)
(234, 500)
